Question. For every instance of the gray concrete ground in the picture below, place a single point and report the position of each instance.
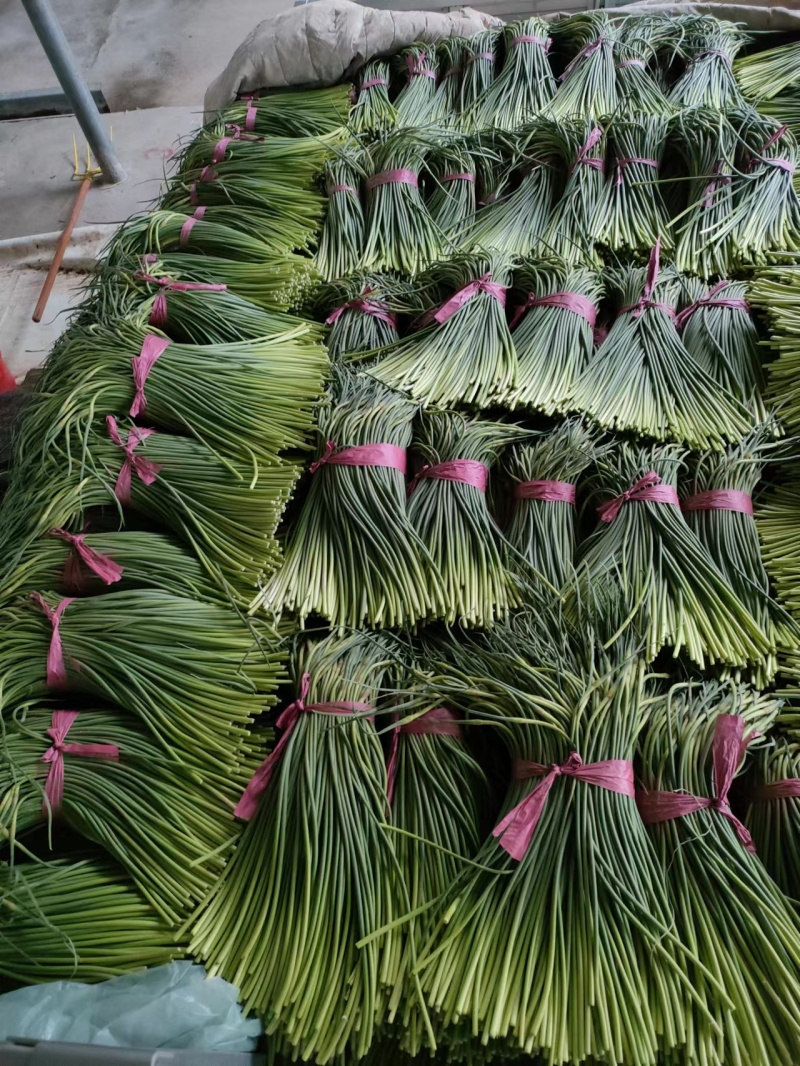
(153, 55)
(141, 53)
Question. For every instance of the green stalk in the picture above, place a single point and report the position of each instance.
(314, 872)
(709, 46)
(546, 953)
(468, 358)
(438, 806)
(295, 112)
(544, 532)
(763, 75)
(226, 518)
(774, 820)
(643, 379)
(554, 344)
(202, 316)
(572, 229)
(452, 203)
(724, 340)
(373, 111)
(480, 69)
(774, 292)
(706, 142)
(416, 103)
(633, 214)
(77, 921)
(170, 829)
(195, 675)
(277, 284)
(148, 560)
(401, 235)
(250, 400)
(342, 241)
(669, 588)
(454, 523)
(513, 221)
(742, 929)
(777, 520)
(588, 86)
(356, 331)
(353, 555)
(525, 85)
(731, 539)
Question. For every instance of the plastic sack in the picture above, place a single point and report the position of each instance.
(173, 1006)
(760, 15)
(319, 44)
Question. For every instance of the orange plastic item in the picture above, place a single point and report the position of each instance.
(7, 382)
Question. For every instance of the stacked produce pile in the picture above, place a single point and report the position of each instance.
(435, 415)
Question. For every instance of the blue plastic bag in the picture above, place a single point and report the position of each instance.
(173, 1006)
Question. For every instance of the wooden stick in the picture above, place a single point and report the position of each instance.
(61, 248)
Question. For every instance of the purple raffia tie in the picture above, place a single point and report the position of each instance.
(415, 68)
(710, 300)
(583, 157)
(625, 161)
(646, 300)
(585, 52)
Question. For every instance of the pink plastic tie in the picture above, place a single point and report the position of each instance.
(787, 788)
(646, 301)
(714, 53)
(220, 148)
(489, 56)
(567, 301)
(463, 296)
(100, 565)
(625, 161)
(583, 157)
(362, 455)
(640, 63)
(415, 68)
(527, 38)
(710, 300)
(551, 491)
(516, 830)
(459, 177)
(186, 230)
(56, 668)
(60, 725)
(146, 470)
(436, 723)
(152, 349)
(342, 188)
(365, 306)
(719, 179)
(400, 176)
(728, 748)
(240, 133)
(585, 52)
(158, 313)
(466, 471)
(719, 500)
(373, 82)
(782, 164)
(250, 116)
(248, 804)
(648, 489)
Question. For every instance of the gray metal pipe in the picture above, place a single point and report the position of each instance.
(58, 51)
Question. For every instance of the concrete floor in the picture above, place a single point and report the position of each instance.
(154, 55)
(141, 53)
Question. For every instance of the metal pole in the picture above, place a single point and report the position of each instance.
(58, 51)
